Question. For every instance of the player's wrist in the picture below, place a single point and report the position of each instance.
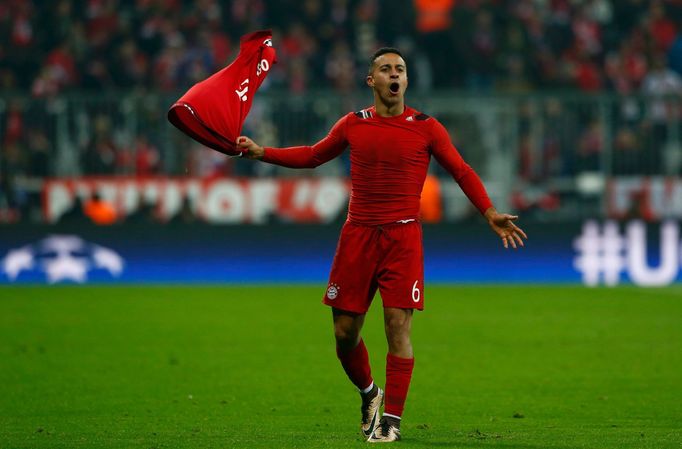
(490, 213)
(254, 153)
(259, 153)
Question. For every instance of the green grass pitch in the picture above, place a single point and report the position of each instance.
(254, 367)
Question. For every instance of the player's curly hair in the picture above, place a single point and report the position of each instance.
(383, 51)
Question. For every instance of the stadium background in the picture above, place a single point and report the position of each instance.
(568, 109)
(570, 112)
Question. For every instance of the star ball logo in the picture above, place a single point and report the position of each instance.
(61, 258)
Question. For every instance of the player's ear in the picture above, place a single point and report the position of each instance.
(370, 80)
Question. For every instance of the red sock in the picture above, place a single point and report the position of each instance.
(398, 376)
(356, 364)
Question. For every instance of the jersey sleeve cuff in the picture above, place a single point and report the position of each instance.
(267, 154)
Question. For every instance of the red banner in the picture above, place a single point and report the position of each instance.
(217, 201)
(653, 198)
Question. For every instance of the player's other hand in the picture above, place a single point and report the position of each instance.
(503, 225)
(249, 148)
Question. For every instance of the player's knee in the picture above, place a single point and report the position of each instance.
(398, 331)
(397, 324)
(345, 336)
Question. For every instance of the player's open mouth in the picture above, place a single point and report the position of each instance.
(394, 87)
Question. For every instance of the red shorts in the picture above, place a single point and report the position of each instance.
(388, 257)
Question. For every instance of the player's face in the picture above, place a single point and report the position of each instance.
(389, 78)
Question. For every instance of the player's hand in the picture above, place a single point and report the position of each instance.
(503, 225)
(250, 149)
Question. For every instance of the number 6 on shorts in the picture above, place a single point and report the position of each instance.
(416, 294)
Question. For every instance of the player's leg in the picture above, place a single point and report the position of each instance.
(399, 365)
(399, 360)
(398, 327)
(354, 358)
(401, 285)
(350, 348)
(350, 292)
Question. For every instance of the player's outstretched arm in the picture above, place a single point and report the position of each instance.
(503, 225)
(250, 149)
(304, 156)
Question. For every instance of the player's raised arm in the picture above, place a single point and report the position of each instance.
(302, 156)
(447, 155)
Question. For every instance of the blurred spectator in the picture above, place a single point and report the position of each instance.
(661, 28)
(76, 214)
(14, 158)
(39, 153)
(640, 207)
(14, 125)
(628, 157)
(514, 61)
(587, 73)
(46, 84)
(675, 54)
(147, 157)
(430, 205)
(205, 163)
(145, 213)
(140, 159)
(101, 153)
(340, 68)
(131, 66)
(186, 214)
(483, 45)
(590, 147)
(625, 69)
(587, 32)
(557, 152)
(100, 211)
(62, 65)
(434, 26)
(167, 63)
(661, 83)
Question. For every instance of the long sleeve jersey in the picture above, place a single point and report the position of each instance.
(389, 162)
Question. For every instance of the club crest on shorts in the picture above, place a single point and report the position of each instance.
(333, 291)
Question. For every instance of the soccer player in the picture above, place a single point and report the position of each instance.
(380, 245)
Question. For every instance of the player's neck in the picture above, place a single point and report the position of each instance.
(393, 110)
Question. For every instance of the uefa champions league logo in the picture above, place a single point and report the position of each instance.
(61, 258)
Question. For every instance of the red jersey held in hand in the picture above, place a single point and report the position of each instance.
(213, 111)
(389, 161)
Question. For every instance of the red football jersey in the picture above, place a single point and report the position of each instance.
(389, 161)
(213, 111)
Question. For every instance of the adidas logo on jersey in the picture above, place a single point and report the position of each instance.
(420, 117)
(365, 113)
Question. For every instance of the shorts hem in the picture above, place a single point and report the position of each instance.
(420, 308)
(402, 305)
(345, 309)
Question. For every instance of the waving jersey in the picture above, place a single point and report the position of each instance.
(389, 161)
(213, 111)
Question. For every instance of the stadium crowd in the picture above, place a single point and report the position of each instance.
(623, 47)
(502, 45)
